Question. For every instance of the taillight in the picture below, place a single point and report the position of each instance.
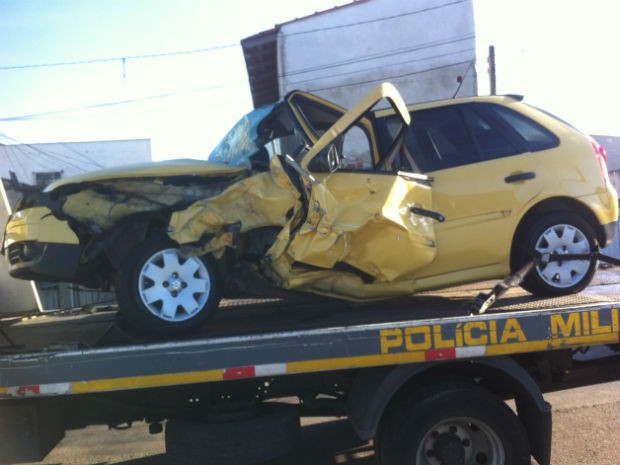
(601, 156)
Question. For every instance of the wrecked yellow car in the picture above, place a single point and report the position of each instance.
(302, 196)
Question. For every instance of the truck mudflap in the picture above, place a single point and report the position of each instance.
(29, 430)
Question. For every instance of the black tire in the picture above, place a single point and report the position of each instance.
(458, 422)
(570, 234)
(271, 434)
(165, 305)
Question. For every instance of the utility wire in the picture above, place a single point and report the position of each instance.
(388, 53)
(49, 155)
(125, 58)
(347, 73)
(121, 58)
(117, 102)
(384, 78)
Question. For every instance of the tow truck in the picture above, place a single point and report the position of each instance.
(425, 377)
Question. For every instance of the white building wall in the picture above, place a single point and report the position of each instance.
(420, 46)
(70, 158)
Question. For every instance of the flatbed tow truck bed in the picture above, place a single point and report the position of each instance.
(350, 358)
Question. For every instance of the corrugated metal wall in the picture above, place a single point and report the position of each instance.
(63, 296)
(614, 249)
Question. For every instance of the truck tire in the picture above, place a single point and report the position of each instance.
(455, 423)
(560, 232)
(161, 293)
(274, 432)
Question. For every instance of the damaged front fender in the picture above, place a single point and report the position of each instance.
(265, 199)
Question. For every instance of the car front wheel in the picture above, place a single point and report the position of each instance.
(557, 233)
(160, 292)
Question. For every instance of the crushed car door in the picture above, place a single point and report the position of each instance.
(362, 218)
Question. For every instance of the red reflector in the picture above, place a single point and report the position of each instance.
(599, 150)
(601, 156)
(440, 354)
(240, 372)
(24, 390)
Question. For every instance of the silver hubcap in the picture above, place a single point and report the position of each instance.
(461, 440)
(173, 288)
(563, 239)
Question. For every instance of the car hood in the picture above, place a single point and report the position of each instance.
(169, 168)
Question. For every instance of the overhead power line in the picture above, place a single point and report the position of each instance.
(55, 158)
(384, 54)
(124, 58)
(115, 103)
(382, 67)
(121, 58)
(397, 76)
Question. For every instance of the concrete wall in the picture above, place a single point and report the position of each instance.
(422, 47)
(612, 146)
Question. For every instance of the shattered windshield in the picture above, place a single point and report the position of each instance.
(269, 131)
(241, 142)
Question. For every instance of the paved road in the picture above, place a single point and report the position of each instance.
(586, 431)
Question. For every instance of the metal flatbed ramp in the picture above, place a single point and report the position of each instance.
(247, 340)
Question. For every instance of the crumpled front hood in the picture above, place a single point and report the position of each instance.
(162, 169)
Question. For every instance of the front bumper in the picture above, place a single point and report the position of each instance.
(40, 247)
(43, 261)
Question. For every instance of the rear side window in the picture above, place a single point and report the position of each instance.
(457, 135)
(535, 136)
(492, 140)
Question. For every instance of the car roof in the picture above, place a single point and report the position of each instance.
(499, 99)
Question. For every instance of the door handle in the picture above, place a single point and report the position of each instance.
(520, 177)
(429, 213)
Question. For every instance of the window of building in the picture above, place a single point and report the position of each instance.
(43, 178)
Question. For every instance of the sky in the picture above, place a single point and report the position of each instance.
(564, 56)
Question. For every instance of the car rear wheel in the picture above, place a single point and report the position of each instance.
(557, 233)
(160, 292)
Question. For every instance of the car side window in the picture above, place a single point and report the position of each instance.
(490, 140)
(533, 134)
(438, 139)
(356, 150)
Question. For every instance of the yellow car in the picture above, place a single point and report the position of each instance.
(303, 196)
